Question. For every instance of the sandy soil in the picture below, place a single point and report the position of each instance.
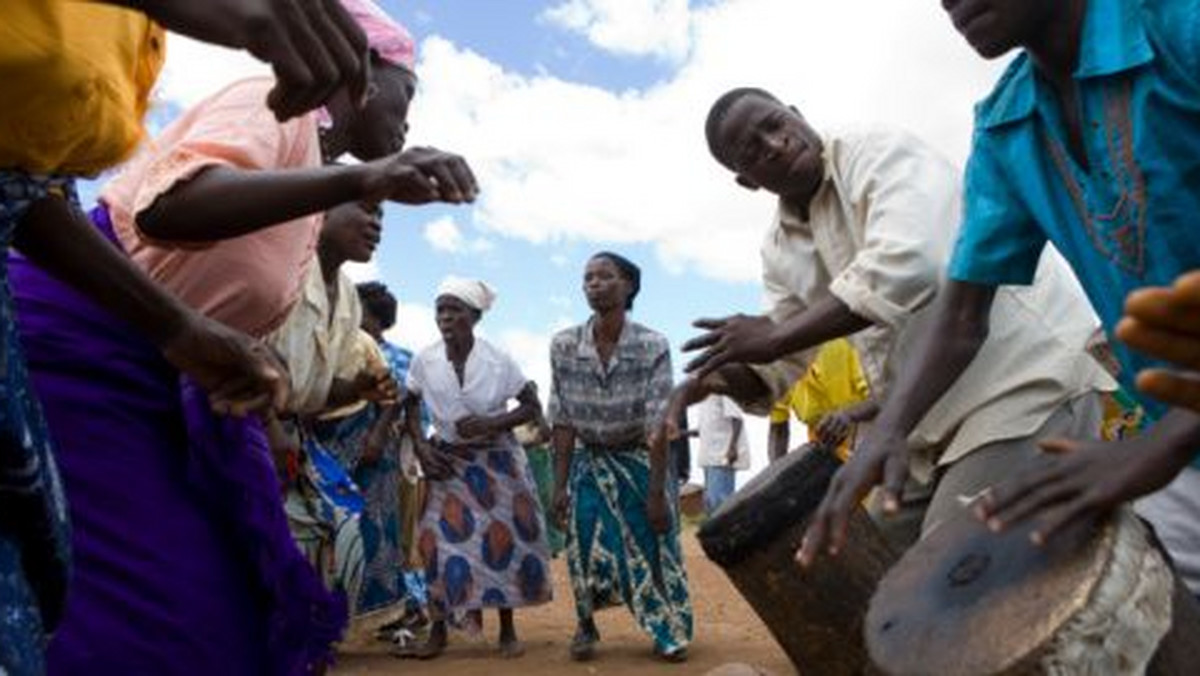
(727, 630)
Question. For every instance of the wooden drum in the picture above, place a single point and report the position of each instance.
(816, 615)
(965, 601)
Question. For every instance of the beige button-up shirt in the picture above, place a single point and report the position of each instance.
(878, 237)
(319, 342)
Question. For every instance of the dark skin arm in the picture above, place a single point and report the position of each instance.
(314, 46)
(436, 466)
(959, 331)
(562, 440)
(377, 436)
(483, 427)
(240, 374)
(778, 438)
(1083, 480)
(731, 453)
(222, 202)
(759, 340)
(834, 428)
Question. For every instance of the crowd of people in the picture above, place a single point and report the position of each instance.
(213, 461)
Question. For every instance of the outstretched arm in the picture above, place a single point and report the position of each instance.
(221, 202)
(743, 339)
(239, 373)
(959, 331)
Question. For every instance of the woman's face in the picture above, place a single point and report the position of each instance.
(380, 128)
(351, 231)
(455, 319)
(605, 287)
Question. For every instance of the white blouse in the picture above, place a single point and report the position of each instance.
(490, 379)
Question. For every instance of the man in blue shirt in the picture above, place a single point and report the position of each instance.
(1091, 141)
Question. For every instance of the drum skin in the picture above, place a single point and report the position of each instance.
(965, 601)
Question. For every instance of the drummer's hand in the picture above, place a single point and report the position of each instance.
(657, 512)
(833, 429)
(1165, 323)
(880, 457)
(738, 339)
(1079, 480)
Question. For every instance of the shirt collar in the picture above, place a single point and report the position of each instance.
(1113, 40)
(587, 341)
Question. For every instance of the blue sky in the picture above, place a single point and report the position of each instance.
(583, 121)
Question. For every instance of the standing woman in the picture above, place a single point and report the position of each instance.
(481, 535)
(610, 381)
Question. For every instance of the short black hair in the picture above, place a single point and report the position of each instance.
(629, 270)
(716, 114)
(379, 302)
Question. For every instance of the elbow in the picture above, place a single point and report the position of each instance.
(159, 221)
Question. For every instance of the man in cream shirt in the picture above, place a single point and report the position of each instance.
(724, 449)
(859, 248)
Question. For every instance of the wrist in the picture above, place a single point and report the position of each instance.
(169, 320)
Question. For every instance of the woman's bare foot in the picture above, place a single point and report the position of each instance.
(583, 645)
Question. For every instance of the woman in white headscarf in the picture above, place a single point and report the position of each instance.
(482, 536)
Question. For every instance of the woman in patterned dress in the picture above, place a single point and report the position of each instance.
(481, 535)
(610, 380)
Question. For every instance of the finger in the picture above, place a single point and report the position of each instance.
(1174, 346)
(817, 532)
(417, 183)
(701, 365)
(1164, 308)
(701, 341)
(1059, 446)
(1178, 388)
(1037, 500)
(307, 28)
(1060, 518)
(450, 189)
(895, 474)
(462, 178)
(300, 94)
(352, 53)
(1000, 497)
(711, 323)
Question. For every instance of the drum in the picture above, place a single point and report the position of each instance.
(1100, 600)
(816, 615)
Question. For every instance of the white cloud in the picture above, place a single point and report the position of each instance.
(659, 28)
(564, 161)
(415, 327)
(443, 234)
(559, 160)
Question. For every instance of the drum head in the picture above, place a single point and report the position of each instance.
(965, 601)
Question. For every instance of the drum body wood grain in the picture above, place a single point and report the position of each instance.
(967, 602)
(815, 615)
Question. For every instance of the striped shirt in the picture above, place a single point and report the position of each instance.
(614, 405)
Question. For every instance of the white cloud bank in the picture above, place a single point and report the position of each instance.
(659, 28)
(560, 160)
(564, 160)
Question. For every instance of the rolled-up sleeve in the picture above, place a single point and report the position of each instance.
(910, 197)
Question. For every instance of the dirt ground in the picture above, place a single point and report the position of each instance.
(727, 630)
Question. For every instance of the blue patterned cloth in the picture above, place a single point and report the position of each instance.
(613, 554)
(34, 536)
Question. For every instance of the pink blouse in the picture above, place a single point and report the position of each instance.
(248, 282)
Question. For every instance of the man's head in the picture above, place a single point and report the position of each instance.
(379, 308)
(765, 143)
(994, 27)
(351, 231)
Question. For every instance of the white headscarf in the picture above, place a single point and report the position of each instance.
(473, 292)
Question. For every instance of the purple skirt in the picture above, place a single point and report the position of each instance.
(183, 560)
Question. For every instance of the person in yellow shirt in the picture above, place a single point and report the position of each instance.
(830, 400)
